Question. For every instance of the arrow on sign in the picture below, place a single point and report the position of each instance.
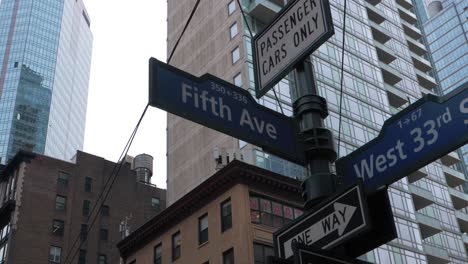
(338, 220)
(327, 225)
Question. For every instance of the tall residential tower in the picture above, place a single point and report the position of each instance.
(45, 59)
(385, 70)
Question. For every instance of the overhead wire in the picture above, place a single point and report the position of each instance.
(110, 180)
(342, 78)
(183, 31)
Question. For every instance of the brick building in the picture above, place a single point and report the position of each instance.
(229, 218)
(46, 203)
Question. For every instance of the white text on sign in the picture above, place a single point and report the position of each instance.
(215, 106)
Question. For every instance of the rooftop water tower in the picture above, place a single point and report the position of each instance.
(143, 165)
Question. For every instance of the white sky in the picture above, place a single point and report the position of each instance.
(126, 35)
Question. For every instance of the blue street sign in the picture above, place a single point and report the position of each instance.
(222, 106)
(423, 132)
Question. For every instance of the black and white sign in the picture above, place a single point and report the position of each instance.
(300, 28)
(326, 225)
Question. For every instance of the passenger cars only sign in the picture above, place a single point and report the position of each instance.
(299, 29)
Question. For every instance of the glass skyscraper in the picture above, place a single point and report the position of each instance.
(45, 57)
(386, 68)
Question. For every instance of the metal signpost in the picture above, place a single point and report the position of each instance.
(222, 106)
(327, 225)
(423, 132)
(299, 29)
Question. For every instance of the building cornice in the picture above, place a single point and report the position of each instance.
(234, 173)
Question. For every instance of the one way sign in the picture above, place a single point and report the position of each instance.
(326, 225)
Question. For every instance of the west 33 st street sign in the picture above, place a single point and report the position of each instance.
(423, 132)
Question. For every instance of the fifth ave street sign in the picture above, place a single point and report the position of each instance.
(325, 226)
(299, 29)
(421, 133)
(222, 106)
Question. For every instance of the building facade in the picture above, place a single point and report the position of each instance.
(48, 205)
(446, 35)
(230, 218)
(45, 59)
(386, 68)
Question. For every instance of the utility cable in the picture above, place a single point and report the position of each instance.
(110, 179)
(183, 31)
(251, 38)
(342, 78)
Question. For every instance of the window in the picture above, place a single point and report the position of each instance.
(238, 80)
(82, 257)
(86, 206)
(228, 256)
(233, 31)
(157, 254)
(103, 234)
(226, 215)
(231, 7)
(203, 229)
(105, 210)
(58, 227)
(63, 178)
(60, 203)
(261, 253)
(84, 232)
(88, 183)
(102, 259)
(269, 213)
(55, 254)
(235, 55)
(176, 241)
(155, 203)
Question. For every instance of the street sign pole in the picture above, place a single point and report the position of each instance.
(286, 44)
(310, 110)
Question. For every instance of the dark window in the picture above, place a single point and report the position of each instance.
(55, 254)
(105, 210)
(63, 179)
(86, 206)
(60, 203)
(88, 183)
(16, 64)
(226, 215)
(203, 229)
(228, 256)
(102, 259)
(158, 254)
(84, 232)
(155, 203)
(103, 234)
(58, 227)
(261, 253)
(82, 257)
(176, 243)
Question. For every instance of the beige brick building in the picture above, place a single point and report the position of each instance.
(229, 218)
